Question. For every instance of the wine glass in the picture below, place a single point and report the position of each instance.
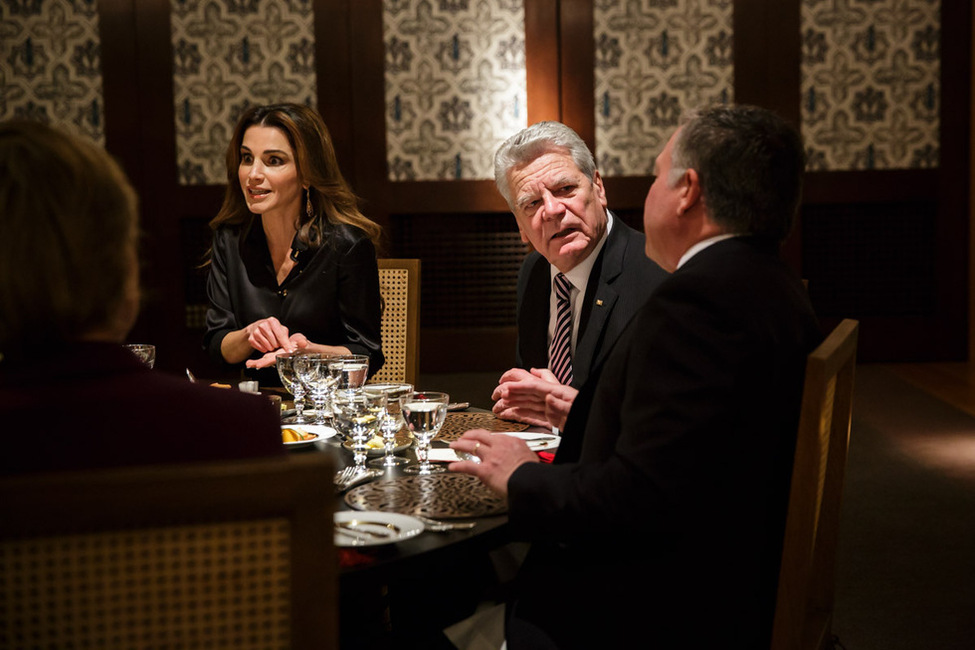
(313, 371)
(425, 413)
(391, 423)
(293, 384)
(358, 415)
(145, 352)
(350, 371)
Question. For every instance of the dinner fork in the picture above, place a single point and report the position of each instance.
(437, 526)
(353, 475)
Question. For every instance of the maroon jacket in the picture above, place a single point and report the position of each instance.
(88, 405)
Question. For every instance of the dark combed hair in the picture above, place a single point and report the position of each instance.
(333, 201)
(68, 232)
(750, 162)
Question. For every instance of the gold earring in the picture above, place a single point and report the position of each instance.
(308, 209)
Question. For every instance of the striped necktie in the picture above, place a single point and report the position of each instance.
(560, 352)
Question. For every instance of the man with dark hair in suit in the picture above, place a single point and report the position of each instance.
(548, 176)
(666, 527)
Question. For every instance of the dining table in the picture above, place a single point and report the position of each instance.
(395, 591)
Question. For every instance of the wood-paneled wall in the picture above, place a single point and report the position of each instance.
(137, 66)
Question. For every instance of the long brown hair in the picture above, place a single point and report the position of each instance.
(332, 200)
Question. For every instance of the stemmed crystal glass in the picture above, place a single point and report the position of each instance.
(425, 413)
(358, 415)
(391, 422)
(293, 384)
(350, 371)
(312, 369)
(145, 351)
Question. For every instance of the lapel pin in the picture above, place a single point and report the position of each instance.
(599, 303)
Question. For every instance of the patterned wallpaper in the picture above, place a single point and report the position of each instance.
(50, 64)
(655, 58)
(455, 85)
(229, 55)
(871, 83)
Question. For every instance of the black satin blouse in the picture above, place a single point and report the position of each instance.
(331, 295)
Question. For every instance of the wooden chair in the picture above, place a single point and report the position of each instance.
(399, 285)
(804, 605)
(235, 554)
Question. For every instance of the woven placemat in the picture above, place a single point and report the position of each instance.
(457, 423)
(440, 496)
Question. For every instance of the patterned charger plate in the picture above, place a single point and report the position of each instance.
(457, 423)
(439, 496)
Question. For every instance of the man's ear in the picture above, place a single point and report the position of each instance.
(690, 190)
(597, 182)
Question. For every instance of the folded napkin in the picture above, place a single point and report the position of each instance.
(443, 455)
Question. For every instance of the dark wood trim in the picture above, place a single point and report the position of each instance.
(368, 105)
(121, 84)
(334, 76)
(767, 55)
(543, 74)
(578, 63)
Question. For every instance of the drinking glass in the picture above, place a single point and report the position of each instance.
(358, 415)
(350, 371)
(392, 421)
(293, 384)
(424, 413)
(313, 371)
(145, 352)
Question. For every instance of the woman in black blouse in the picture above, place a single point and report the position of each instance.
(293, 261)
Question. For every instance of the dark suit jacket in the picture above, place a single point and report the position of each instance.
(88, 405)
(621, 280)
(668, 526)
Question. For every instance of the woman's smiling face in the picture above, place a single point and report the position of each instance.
(268, 173)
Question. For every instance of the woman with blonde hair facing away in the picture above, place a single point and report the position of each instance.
(71, 397)
(293, 261)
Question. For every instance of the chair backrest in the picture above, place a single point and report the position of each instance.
(804, 605)
(399, 285)
(235, 554)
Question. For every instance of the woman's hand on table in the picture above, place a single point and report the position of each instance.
(296, 341)
(535, 397)
(500, 456)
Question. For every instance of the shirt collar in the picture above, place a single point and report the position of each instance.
(579, 274)
(701, 245)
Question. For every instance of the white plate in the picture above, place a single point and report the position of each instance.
(377, 528)
(320, 430)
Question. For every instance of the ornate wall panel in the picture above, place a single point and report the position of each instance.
(228, 55)
(455, 85)
(871, 83)
(655, 58)
(50, 64)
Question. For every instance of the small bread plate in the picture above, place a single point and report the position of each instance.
(372, 528)
(402, 443)
(315, 431)
(536, 441)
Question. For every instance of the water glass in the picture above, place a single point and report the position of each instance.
(392, 421)
(293, 384)
(424, 412)
(313, 371)
(357, 415)
(145, 352)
